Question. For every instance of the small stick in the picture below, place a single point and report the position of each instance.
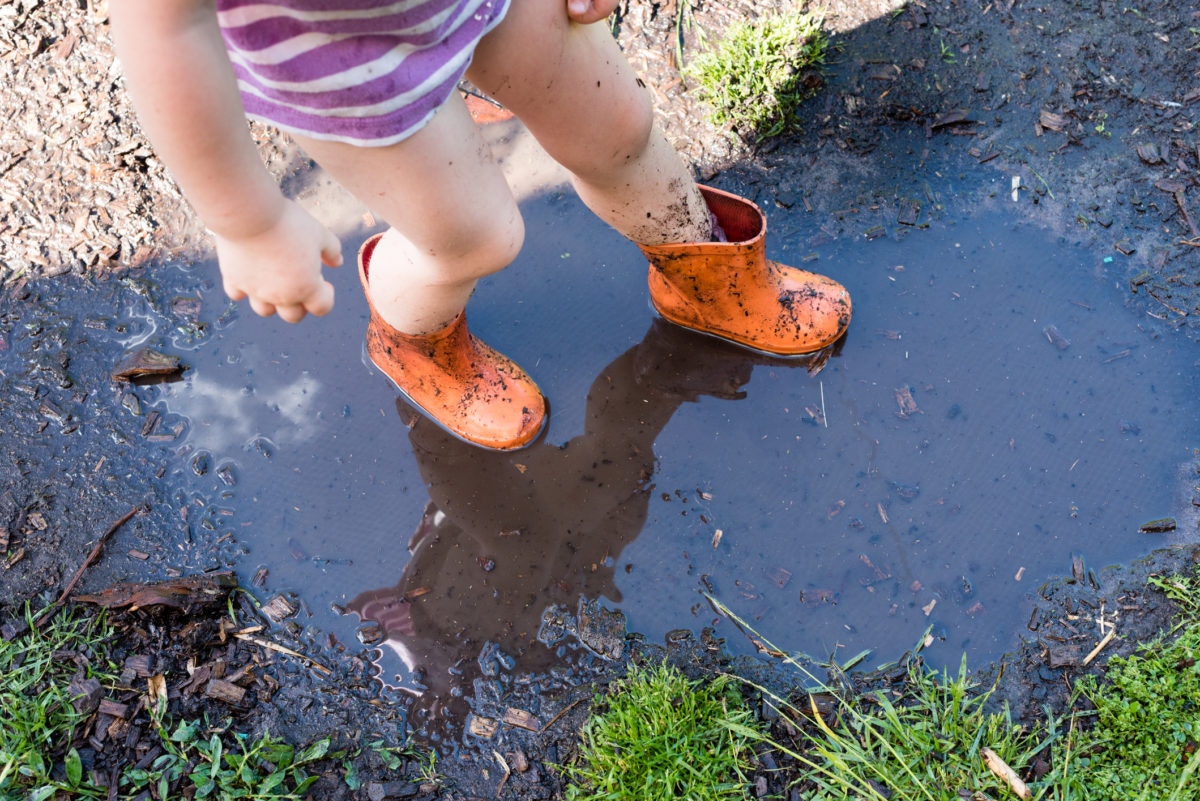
(1100, 646)
(564, 711)
(1009, 776)
(1179, 198)
(283, 649)
(91, 557)
(824, 417)
(507, 772)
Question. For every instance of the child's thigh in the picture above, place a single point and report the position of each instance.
(569, 83)
(440, 187)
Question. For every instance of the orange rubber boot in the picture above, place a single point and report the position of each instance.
(466, 387)
(730, 290)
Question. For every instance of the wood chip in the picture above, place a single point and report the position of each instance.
(278, 608)
(1051, 121)
(117, 710)
(908, 405)
(521, 719)
(85, 695)
(221, 690)
(483, 727)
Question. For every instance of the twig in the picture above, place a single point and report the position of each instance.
(91, 557)
(1180, 312)
(1009, 776)
(1187, 216)
(824, 417)
(507, 772)
(564, 711)
(283, 649)
(1100, 647)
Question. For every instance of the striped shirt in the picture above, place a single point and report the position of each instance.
(365, 72)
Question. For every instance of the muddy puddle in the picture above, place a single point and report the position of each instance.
(994, 415)
(995, 418)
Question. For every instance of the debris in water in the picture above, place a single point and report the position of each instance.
(780, 576)
(278, 608)
(1159, 526)
(1056, 338)
(908, 406)
(143, 363)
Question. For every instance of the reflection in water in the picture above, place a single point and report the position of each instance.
(507, 535)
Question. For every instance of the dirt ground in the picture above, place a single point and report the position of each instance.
(1091, 104)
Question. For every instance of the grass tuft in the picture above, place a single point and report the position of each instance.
(661, 737)
(1143, 741)
(761, 71)
(40, 719)
(926, 744)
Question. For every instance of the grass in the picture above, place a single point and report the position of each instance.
(927, 743)
(760, 72)
(661, 737)
(200, 766)
(41, 737)
(922, 741)
(1132, 733)
(40, 720)
(1143, 739)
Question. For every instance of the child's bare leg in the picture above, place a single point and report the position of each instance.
(573, 89)
(453, 216)
(453, 221)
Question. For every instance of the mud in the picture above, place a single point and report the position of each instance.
(933, 113)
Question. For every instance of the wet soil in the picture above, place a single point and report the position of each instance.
(930, 112)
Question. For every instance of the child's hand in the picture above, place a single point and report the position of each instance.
(587, 11)
(279, 268)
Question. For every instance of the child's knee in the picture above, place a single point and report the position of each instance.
(637, 125)
(489, 244)
(622, 139)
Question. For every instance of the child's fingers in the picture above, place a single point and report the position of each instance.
(290, 314)
(233, 292)
(586, 12)
(261, 307)
(331, 250)
(321, 303)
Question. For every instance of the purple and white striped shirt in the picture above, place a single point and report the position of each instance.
(366, 72)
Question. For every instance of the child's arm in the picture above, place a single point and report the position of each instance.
(183, 86)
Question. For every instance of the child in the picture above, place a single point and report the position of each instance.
(367, 88)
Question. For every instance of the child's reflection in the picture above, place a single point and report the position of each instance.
(506, 535)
